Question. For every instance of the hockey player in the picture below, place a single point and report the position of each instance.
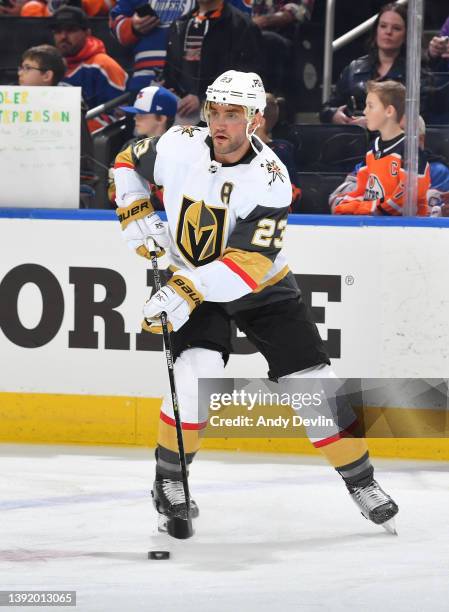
(226, 196)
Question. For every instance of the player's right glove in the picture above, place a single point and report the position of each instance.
(178, 298)
(138, 227)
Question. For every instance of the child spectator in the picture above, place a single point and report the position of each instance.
(381, 181)
(439, 203)
(42, 65)
(154, 112)
(439, 174)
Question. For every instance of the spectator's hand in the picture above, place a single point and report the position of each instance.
(14, 9)
(144, 25)
(445, 210)
(445, 197)
(439, 47)
(356, 206)
(347, 207)
(262, 21)
(359, 121)
(188, 105)
(340, 117)
(367, 207)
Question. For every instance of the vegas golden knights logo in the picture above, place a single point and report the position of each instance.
(200, 231)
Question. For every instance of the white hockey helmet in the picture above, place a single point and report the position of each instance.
(241, 88)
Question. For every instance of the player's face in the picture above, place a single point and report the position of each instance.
(227, 125)
(70, 39)
(390, 32)
(374, 112)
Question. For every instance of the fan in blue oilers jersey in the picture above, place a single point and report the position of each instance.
(226, 196)
(142, 26)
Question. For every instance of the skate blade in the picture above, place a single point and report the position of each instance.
(390, 527)
(162, 523)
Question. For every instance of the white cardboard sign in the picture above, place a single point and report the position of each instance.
(40, 146)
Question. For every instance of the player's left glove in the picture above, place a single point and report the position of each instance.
(178, 298)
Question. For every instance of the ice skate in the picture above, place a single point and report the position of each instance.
(375, 505)
(169, 501)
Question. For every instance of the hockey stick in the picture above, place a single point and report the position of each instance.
(176, 527)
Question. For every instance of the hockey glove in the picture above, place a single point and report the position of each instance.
(139, 223)
(177, 299)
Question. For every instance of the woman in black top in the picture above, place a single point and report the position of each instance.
(385, 60)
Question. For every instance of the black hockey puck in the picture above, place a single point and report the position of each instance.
(159, 555)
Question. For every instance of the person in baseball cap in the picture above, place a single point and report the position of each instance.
(69, 16)
(154, 110)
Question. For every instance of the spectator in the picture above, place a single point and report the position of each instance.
(439, 203)
(42, 65)
(44, 8)
(203, 44)
(385, 61)
(439, 174)
(380, 182)
(438, 50)
(246, 6)
(282, 148)
(11, 8)
(88, 66)
(277, 20)
(279, 15)
(154, 112)
(438, 55)
(147, 34)
(439, 169)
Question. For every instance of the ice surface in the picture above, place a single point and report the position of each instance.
(275, 533)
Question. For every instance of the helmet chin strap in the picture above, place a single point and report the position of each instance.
(251, 137)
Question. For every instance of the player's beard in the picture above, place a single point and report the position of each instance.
(228, 146)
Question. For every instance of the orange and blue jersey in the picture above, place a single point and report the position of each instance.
(381, 182)
(100, 77)
(149, 50)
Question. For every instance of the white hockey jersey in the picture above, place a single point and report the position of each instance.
(226, 222)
